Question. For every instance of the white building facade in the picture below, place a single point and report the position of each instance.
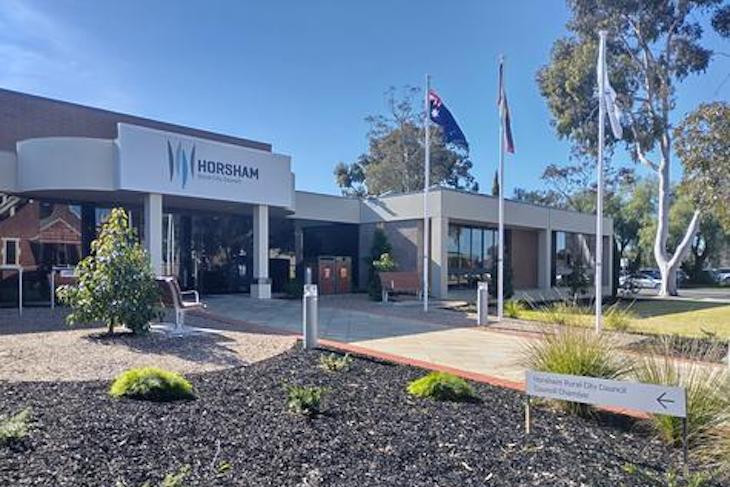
(222, 213)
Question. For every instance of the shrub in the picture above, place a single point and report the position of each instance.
(574, 351)
(116, 284)
(514, 308)
(379, 246)
(385, 263)
(304, 399)
(15, 427)
(151, 384)
(294, 288)
(443, 387)
(708, 400)
(565, 313)
(335, 363)
(618, 318)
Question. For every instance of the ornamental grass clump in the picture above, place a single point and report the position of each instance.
(151, 384)
(116, 284)
(304, 400)
(514, 308)
(442, 386)
(706, 386)
(618, 318)
(574, 351)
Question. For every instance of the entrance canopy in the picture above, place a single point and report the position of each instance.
(148, 161)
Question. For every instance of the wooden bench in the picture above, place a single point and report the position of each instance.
(175, 298)
(400, 283)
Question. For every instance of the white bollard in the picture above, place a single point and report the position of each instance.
(310, 316)
(482, 302)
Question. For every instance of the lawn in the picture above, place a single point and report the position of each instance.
(668, 317)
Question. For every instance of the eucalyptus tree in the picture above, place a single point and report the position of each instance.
(395, 156)
(653, 45)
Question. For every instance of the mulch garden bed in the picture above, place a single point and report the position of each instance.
(371, 433)
(703, 349)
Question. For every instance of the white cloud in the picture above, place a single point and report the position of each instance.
(42, 55)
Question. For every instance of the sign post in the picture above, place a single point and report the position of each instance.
(650, 398)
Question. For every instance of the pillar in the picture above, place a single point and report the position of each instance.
(88, 227)
(153, 230)
(544, 259)
(439, 257)
(261, 285)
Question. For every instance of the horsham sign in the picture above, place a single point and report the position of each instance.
(163, 162)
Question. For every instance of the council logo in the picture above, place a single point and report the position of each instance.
(180, 163)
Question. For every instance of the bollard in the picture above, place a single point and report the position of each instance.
(308, 275)
(482, 302)
(310, 316)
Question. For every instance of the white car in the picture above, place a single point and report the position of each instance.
(722, 276)
(642, 280)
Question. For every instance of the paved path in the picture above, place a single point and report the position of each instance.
(440, 337)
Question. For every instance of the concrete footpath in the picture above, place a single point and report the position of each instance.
(400, 330)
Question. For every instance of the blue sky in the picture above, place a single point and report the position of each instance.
(302, 75)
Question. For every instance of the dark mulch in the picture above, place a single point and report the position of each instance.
(371, 434)
(707, 349)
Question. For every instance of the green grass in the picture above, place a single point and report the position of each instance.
(151, 384)
(660, 317)
(442, 386)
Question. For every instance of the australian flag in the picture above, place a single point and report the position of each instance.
(441, 116)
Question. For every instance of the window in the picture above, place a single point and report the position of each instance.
(10, 251)
(573, 249)
(472, 254)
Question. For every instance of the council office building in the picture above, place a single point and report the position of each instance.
(222, 213)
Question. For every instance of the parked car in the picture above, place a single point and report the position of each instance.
(722, 276)
(641, 279)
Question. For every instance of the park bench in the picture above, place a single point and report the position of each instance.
(178, 300)
(400, 283)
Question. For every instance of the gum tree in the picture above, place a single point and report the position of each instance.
(653, 45)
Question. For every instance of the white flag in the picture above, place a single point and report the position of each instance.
(609, 97)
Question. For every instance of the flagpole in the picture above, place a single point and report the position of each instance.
(599, 196)
(500, 251)
(426, 184)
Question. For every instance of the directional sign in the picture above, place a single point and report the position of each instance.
(650, 398)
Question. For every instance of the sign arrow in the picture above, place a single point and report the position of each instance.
(663, 402)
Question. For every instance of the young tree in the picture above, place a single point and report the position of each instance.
(116, 282)
(395, 157)
(652, 46)
(495, 184)
(378, 248)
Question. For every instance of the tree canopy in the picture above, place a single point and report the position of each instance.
(396, 153)
(652, 46)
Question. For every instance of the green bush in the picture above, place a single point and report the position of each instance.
(443, 387)
(334, 363)
(565, 313)
(379, 246)
(618, 318)
(574, 351)
(151, 384)
(708, 394)
(304, 399)
(514, 308)
(385, 263)
(116, 284)
(15, 427)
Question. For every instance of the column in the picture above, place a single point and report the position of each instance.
(261, 285)
(544, 259)
(439, 257)
(153, 230)
(88, 227)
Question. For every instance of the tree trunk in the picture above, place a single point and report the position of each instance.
(667, 264)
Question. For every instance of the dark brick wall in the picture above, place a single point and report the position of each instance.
(24, 116)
